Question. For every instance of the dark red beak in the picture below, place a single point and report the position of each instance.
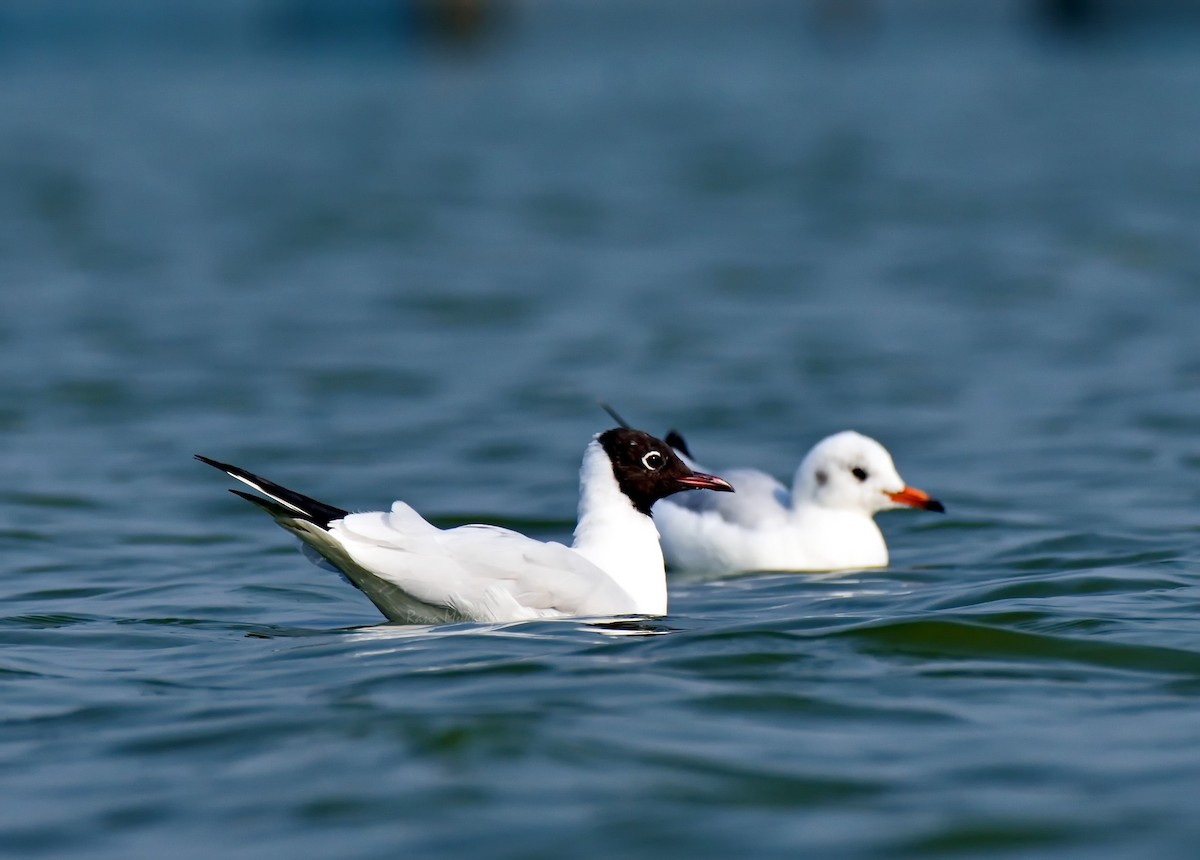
(701, 481)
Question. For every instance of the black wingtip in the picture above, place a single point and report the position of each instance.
(273, 508)
(282, 500)
(675, 440)
(216, 464)
(614, 415)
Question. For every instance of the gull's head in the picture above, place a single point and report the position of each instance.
(648, 469)
(852, 472)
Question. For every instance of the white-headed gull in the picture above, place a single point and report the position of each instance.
(824, 522)
(415, 572)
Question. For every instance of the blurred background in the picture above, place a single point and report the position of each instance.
(399, 235)
(399, 249)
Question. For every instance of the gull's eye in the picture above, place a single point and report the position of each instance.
(653, 461)
(859, 473)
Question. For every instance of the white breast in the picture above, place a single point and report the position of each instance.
(616, 537)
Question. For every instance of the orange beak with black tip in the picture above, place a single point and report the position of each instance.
(915, 498)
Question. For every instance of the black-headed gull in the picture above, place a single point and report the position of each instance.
(415, 572)
(824, 522)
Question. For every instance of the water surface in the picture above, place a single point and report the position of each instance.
(409, 274)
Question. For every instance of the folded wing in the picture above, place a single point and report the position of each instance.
(474, 571)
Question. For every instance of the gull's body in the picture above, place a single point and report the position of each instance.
(417, 573)
(825, 521)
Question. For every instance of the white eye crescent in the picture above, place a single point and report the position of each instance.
(653, 461)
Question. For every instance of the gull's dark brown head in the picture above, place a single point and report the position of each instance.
(647, 469)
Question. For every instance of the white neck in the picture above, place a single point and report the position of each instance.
(839, 538)
(613, 535)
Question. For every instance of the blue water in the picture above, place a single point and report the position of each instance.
(410, 272)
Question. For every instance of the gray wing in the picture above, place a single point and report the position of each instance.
(757, 499)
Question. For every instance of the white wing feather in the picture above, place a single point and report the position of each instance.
(481, 572)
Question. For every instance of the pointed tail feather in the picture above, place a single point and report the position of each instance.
(284, 502)
(675, 439)
(614, 415)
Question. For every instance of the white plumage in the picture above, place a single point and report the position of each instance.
(415, 572)
(825, 521)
